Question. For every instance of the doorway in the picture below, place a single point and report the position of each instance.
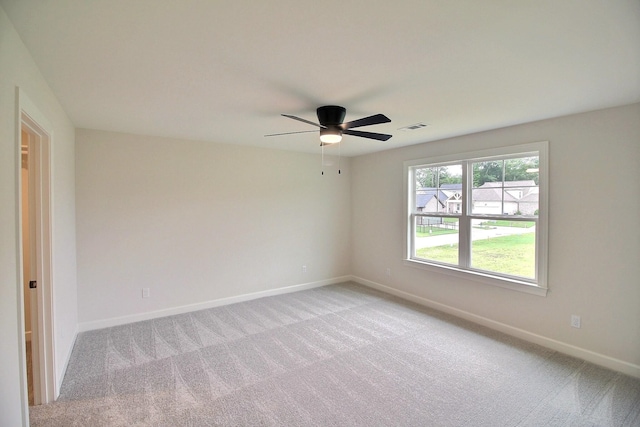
(30, 300)
(35, 254)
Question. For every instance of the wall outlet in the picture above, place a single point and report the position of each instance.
(388, 272)
(575, 321)
(146, 292)
(304, 269)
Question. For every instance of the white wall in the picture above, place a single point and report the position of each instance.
(199, 221)
(594, 237)
(18, 69)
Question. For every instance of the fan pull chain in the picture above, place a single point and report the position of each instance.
(322, 159)
(339, 156)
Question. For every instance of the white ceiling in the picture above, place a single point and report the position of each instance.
(223, 71)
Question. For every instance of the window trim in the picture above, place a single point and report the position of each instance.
(536, 287)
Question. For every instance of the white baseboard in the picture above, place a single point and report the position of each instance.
(571, 350)
(123, 320)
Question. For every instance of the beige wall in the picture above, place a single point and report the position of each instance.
(199, 221)
(18, 69)
(594, 250)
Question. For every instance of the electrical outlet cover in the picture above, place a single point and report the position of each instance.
(575, 321)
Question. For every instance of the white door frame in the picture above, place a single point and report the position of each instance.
(41, 134)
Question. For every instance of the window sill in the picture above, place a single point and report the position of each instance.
(487, 279)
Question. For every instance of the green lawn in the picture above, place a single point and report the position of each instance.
(513, 254)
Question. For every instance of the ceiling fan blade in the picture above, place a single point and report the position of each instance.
(303, 120)
(366, 121)
(291, 133)
(371, 135)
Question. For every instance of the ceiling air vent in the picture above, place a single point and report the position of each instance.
(414, 127)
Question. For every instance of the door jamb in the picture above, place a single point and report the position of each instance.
(30, 117)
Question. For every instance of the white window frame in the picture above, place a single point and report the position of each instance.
(537, 286)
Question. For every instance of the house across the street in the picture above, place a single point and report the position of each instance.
(510, 197)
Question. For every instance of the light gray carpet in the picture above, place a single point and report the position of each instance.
(340, 355)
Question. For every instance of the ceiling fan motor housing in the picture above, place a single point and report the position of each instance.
(331, 115)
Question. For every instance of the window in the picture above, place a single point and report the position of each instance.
(482, 215)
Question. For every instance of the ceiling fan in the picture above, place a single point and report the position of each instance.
(332, 127)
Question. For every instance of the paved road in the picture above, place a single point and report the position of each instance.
(477, 233)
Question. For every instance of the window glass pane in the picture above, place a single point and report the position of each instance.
(522, 169)
(504, 246)
(487, 172)
(436, 239)
(521, 186)
(438, 189)
(505, 187)
(487, 200)
(520, 200)
(486, 194)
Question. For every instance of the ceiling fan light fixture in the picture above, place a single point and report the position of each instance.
(330, 136)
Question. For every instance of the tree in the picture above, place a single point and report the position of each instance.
(520, 169)
(435, 177)
(490, 171)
